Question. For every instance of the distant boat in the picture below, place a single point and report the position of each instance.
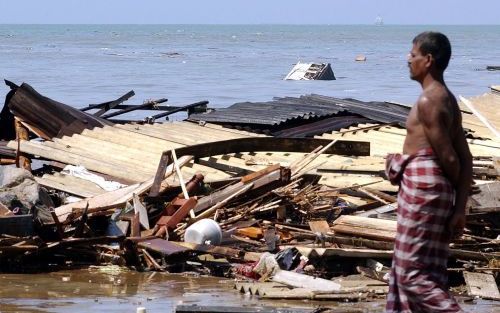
(379, 21)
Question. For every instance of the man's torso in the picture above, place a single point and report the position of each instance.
(416, 138)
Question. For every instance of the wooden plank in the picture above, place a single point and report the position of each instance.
(111, 104)
(162, 246)
(260, 173)
(365, 227)
(76, 184)
(320, 227)
(216, 197)
(224, 251)
(186, 207)
(22, 160)
(135, 226)
(250, 232)
(160, 173)
(69, 188)
(140, 209)
(144, 106)
(187, 107)
(379, 195)
(271, 239)
(221, 203)
(200, 308)
(342, 252)
(380, 210)
(342, 147)
(347, 181)
(307, 294)
(482, 285)
(305, 281)
(112, 198)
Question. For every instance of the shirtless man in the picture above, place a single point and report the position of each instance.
(434, 175)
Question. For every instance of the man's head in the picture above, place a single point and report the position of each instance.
(431, 51)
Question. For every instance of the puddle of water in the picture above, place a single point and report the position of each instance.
(115, 289)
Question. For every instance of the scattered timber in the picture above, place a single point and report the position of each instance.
(293, 218)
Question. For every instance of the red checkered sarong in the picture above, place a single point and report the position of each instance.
(418, 280)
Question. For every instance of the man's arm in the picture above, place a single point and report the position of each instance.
(457, 222)
(436, 124)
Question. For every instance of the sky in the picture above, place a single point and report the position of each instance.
(434, 12)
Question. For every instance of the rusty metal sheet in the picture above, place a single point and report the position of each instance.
(46, 117)
(162, 246)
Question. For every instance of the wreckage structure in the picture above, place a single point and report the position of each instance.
(294, 190)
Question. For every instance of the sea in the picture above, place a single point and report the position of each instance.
(225, 64)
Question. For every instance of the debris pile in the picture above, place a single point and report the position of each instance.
(311, 71)
(265, 210)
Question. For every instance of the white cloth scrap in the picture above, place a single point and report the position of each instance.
(81, 172)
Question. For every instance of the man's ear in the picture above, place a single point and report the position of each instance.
(429, 60)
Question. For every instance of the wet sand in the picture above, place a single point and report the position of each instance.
(114, 289)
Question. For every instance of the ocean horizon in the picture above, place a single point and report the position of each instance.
(81, 64)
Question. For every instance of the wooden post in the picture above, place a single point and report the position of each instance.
(181, 180)
(21, 134)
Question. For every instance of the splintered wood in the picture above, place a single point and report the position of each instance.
(365, 227)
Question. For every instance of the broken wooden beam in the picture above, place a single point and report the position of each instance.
(143, 106)
(256, 144)
(188, 107)
(366, 227)
(106, 106)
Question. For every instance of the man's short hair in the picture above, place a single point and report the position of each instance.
(437, 45)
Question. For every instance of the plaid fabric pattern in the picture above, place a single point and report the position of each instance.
(418, 280)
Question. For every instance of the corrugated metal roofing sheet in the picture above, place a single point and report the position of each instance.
(131, 152)
(321, 126)
(283, 110)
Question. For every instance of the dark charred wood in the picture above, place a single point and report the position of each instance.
(188, 108)
(146, 105)
(110, 105)
(341, 147)
(107, 103)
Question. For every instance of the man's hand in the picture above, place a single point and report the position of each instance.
(457, 224)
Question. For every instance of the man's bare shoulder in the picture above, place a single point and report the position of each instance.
(433, 100)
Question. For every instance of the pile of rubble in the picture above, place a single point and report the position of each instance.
(274, 225)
